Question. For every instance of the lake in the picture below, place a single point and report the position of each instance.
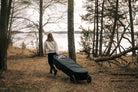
(30, 39)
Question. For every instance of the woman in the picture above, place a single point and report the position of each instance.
(51, 48)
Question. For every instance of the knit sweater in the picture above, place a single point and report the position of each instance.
(50, 47)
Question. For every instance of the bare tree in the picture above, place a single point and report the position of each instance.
(97, 27)
(3, 35)
(41, 29)
(101, 32)
(113, 32)
(71, 45)
(39, 7)
(116, 24)
(9, 12)
(132, 30)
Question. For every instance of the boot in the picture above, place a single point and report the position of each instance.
(55, 72)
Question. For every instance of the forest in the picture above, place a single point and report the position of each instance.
(109, 49)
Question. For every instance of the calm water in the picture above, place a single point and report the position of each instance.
(30, 39)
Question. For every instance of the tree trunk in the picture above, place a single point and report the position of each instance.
(40, 29)
(101, 32)
(117, 33)
(3, 36)
(132, 30)
(11, 20)
(113, 32)
(71, 45)
(93, 48)
(97, 37)
(9, 12)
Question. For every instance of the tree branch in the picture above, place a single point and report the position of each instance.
(114, 56)
(28, 20)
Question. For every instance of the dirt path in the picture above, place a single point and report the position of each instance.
(27, 74)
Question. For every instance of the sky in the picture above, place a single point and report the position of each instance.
(62, 26)
(78, 10)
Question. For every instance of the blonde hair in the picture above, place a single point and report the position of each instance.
(50, 37)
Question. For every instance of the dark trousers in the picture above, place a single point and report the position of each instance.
(50, 61)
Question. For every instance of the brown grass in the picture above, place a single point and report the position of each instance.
(27, 74)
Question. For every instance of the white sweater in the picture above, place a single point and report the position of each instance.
(50, 47)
